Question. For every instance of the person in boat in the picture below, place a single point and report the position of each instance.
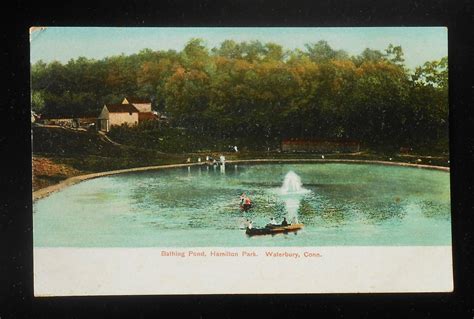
(272, 223)
(284, 222)
(247, 203)
(242, 199)
(250, 226)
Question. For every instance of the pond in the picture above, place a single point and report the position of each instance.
(198, 206)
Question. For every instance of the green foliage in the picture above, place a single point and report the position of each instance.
(37, 101)
(395, 54)
(433, 73)
(321, 52)
(257, 93)
(150, 135)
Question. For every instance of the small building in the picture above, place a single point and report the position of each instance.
(142, 105)
(147, 116)
(117, 114)
(320, 145)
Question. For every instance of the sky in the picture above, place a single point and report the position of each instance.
(420, 44)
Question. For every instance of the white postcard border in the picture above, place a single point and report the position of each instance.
(299, 270)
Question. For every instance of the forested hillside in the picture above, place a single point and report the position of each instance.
(261, 91)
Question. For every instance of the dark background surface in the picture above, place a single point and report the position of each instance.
(16, 261)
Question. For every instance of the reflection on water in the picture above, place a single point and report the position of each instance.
(339, 204)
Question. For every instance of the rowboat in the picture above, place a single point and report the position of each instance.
(273, 229)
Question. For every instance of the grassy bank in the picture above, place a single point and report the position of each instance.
(61, 153)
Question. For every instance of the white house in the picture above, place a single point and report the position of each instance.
(117, 114)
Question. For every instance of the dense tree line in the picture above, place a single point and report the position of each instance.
(261, 91)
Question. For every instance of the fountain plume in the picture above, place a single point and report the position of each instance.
(292, 184)
(292, 191)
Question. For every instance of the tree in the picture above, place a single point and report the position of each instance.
(195, 54)
(379, 98)
(253, 51)
(433, 73)
(395, 54)
(322, 52)
(368, 55)
(274, 52)
(228, 49)
(37, 101)
(429, 102)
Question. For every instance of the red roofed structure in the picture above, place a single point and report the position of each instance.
(320, 145)
(147, 116)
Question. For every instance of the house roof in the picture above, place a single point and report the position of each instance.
(137, 100)
(121, 108)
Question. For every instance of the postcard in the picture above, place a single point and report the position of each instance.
(172, 161)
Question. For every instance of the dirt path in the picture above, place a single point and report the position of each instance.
(105, 138)
(46, 172)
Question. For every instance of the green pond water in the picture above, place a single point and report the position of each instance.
(340, 204)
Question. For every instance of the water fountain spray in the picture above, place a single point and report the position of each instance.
(292, 191)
